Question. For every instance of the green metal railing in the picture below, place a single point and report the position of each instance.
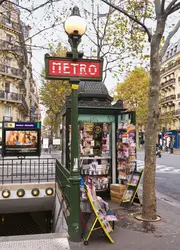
(68, 184)
(62, 180)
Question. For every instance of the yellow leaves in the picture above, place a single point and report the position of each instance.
(53, 92)
(134, 91)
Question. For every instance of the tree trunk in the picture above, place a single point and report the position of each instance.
(149, 195)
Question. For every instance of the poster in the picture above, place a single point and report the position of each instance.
(56, 142)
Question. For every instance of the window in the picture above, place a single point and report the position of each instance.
(171, 52)
(175, 49)
(8, 38)
(7, 18)
(8, 61)
(7, 86)
(7, 110)
(167, 55)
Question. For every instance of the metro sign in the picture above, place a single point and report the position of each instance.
(63, 68)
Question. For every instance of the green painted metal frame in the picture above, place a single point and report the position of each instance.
(62, 179)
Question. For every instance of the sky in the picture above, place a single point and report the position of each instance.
(38, 21)
(44, 18)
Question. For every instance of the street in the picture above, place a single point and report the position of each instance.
(167, 174)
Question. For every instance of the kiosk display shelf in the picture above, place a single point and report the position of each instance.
(95, 157)
(126, 150)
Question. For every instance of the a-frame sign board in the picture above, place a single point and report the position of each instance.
(97, 219)
(131, 195)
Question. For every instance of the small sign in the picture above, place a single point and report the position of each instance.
(63, 68)
(22, 125)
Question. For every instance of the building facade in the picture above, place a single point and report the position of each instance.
(170, 88)
(170, 95)
(16, 79)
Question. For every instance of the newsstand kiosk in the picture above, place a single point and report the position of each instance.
(99, 142)
(106, 139)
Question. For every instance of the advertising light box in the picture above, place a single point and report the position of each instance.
(21, 139)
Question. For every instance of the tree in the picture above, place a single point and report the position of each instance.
(162, 10)
(53, 94)
(115, 37)
(134, 92)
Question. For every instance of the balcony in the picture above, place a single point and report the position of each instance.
(168, 99)
(7, 118)
(177, 112)
(172, 65)
(9, 24)
(5, 45)
(14, 97)
(10, 71)
(34, 100)
(169, 83)
(9, 5)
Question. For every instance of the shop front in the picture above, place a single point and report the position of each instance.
(171, 137)
(101, 126)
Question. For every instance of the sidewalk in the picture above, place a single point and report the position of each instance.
(131, 234)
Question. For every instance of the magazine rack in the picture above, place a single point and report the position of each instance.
(97, 219)
(131, 195)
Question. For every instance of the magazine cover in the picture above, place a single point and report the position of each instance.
(128, 195)
(134, 180)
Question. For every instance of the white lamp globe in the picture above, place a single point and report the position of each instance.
(75, 24)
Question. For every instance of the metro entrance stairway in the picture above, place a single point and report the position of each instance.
(24, 224)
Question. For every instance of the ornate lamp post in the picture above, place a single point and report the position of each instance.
(75, 27)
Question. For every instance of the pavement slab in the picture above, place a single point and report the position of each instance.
(132, 234)
(35, 242)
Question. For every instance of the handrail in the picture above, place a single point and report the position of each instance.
(27, 170)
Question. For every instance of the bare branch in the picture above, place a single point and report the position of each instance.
(47, 28)
(168, 8)
(174, 8)
(162, 6)
(131, 17)
(36, 8)
(106, 24)
(91, 39)
(167, 42)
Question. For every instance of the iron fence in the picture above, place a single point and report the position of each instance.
(27, 170)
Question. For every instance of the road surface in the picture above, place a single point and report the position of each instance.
(167, 174)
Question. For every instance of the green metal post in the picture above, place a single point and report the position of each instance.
(74, 222)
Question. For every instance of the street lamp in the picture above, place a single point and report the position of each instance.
(75, 27)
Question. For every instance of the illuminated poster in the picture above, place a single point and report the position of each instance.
(23, 140)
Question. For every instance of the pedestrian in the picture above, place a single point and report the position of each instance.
(50, 148)
(171, 148)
